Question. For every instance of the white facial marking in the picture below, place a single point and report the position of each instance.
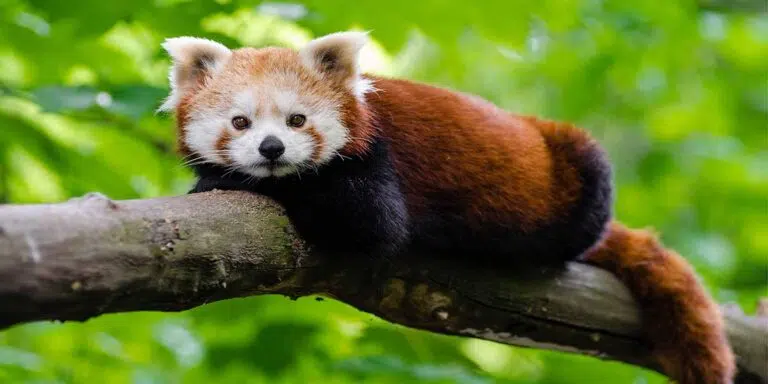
(328, 123)
(268, 111)
(244, 103)
(202, 135)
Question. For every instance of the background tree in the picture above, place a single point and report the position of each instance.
(677, 92)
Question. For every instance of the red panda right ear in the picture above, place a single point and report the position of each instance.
(194, 60)
(336, 57)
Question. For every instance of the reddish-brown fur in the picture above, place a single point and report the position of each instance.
(222, 144)
(319, 142)
(560, 138)
(683, 323)
(182, 118)
(447, 141)
(361, 126)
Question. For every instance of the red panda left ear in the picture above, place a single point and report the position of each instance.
(194, 61)
(336, 57)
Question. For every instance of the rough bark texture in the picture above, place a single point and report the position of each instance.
(89, 256)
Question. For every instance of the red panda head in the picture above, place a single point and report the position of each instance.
(269, 111)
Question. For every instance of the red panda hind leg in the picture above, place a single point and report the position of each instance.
(683, 324)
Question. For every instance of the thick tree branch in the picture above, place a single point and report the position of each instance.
(89, 256)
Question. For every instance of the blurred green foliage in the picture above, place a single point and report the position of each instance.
(678, 95)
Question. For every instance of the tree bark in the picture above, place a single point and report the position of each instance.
(89, 256)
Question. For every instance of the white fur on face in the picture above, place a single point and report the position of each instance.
(268, 109)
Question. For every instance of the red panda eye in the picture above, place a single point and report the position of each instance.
(296, 120)
(241, 122)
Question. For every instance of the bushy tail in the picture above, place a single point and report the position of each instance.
(683, 324)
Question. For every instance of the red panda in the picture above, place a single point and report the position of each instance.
(370, 165)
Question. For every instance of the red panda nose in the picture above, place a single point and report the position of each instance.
(271, 148)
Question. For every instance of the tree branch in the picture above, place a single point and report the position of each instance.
(89, 256)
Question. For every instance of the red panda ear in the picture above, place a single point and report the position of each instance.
(194, 60)
(336, 56)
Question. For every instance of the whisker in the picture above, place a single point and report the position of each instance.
(298, 173)
(250, 179)
(229, 172)
(196, 162)
(196, 159)
(342, 157)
